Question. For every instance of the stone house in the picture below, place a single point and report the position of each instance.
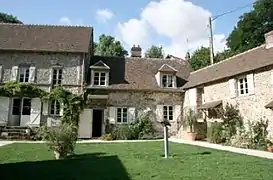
(121, 89)
(47, 56)
(245, 80)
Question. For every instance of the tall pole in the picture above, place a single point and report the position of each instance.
(211, 42)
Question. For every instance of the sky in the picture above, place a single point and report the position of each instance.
(177, 25)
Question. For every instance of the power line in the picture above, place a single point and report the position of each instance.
(231, 11)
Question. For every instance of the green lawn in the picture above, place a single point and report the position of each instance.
(130, 161)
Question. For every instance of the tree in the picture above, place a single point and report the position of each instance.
(251, 27)
(154, 52)
(7, 18)
(200, 58)
(108, 46)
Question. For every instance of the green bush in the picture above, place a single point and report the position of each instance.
(215, 133)
(143, 127)
(60, 139)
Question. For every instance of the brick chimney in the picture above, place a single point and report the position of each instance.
(269, 39)
(136, 51)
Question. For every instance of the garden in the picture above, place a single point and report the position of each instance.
(232, 131)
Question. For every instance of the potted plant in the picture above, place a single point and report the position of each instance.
(269, 146)
(190, 121)
(61, 140)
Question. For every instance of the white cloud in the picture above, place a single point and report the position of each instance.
(183, 23)
(104, 15)
(67, 21)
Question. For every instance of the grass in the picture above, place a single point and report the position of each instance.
(130, 161)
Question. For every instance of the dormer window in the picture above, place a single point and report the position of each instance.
(168, 81)
(100, 78)
(100, 74)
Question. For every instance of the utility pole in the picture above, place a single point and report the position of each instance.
(211, 42)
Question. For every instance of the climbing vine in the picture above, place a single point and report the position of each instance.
(72, 104)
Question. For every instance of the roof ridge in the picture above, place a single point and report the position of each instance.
(155, 59)
(227, 59)
(45, 25)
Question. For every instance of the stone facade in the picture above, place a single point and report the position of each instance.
(252, 106)
(72, 78)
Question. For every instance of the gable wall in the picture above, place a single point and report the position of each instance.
(251, 106)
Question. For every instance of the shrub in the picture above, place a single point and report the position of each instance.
(107, 137)
(143, 127)
(60, 139)
(190, 120)
(215, 133)
(255, 137)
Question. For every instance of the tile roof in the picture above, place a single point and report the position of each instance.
(245, 62)
(139, 73)
(47, 38)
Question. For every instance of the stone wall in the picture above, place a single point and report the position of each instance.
(251, 106)
(72, 67)
(143, 100)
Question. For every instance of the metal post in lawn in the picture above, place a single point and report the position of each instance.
(166, 142)
(165, 125)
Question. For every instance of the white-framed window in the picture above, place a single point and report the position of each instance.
(168, 113)
(57, 77)
(242, 86)
(55, 108)
(122, 115)
(99, 78)
(167, 81)
(24, 74)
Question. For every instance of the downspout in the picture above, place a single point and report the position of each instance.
(83, 74)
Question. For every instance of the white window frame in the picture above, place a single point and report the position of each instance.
(23, 70)
(54, 105)
(245, 85)
(122, 115)
(168, 112)
(22, 107)
(57, 80)
(167, 80)
(100, 76)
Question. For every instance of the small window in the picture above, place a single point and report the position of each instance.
(57, 77)
(168, 81)
(168, 113)
(122, 115)
(100, 78)
(243, 86)
(24, 74)
(55, 108)
(21, 105)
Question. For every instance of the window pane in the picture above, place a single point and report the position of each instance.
(124, 115)
(26, 106)
(16, 107)
(164, 81)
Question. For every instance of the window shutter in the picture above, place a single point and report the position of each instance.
(131, 114)
(159, 113)
(232, 88)
(14, 73)
(4, 109)
(250, 83)
(1, 73)
(92, 77)
(177, 113)
(112, 115)
(50, 75)
(32, 73)
(45, 108)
